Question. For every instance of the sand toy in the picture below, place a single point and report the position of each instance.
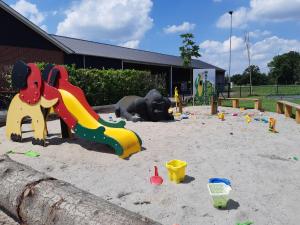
(219, 189)
(156, 179)
(176, 170)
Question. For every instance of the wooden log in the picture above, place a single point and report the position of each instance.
(279, 108)
(235, 103)
(34, 198)
(213, 106)
(298, 115)
(257, 104)
(288, 110)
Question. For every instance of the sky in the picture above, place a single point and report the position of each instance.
(273, 26)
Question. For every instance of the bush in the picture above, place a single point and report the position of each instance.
(101, 87)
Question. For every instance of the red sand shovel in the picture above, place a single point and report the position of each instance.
(156, 179)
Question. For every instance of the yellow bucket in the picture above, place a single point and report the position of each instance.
(176, 170)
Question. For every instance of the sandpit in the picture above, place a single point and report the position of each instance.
(265, 177)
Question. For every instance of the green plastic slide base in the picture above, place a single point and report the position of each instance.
(120, 124)
(97, 135)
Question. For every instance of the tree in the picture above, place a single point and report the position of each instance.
(258, 78)
(189, 49)
(285, 68)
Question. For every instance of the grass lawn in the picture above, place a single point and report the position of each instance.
(267, 104)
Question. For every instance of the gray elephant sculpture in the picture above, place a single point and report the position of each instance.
(153, 107)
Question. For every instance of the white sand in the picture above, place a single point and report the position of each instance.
(265, 182)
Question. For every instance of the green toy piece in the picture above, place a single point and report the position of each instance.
(295, 158)
(245, 223)
(31, 154)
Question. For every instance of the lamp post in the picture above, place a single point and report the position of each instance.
(229, 69)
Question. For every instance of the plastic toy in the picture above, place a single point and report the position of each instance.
(219, 180)
(248, 118)
(156, 179)
(219, 191)
(31, 154)
(221, 116)
(37, 95)
(245, 223)
(177, 101)
(176, 170)
(272, 124)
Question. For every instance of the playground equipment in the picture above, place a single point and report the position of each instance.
(153, 107)
(204, 90)
(38, 93)
(176, 170)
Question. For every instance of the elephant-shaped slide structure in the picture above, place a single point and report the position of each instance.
(52, 89)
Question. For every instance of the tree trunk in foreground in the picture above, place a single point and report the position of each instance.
(34, 198)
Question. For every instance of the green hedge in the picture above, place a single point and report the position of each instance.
(103, 87)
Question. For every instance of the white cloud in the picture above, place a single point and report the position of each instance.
(262, 10)
(131, 44)
(31, 12)
(262, 52)
(115, 21)
(217, 0)
(259, 33)
(184, 27)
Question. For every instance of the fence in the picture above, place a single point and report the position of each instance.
(263, 90)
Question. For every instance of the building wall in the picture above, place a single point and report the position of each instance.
(9, 55)
(19, 42)
(15, 33)
(93, 62)
(182, 79)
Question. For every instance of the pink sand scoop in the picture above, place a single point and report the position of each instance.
(156, 179)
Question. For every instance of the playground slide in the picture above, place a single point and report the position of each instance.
(125, 142)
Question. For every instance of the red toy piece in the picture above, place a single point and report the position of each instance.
(32, 93)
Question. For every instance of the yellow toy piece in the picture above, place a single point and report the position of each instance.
(177, 100)
(18, 110)
(248, 118)
(221, 116)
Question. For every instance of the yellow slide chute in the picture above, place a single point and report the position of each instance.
(127, 139)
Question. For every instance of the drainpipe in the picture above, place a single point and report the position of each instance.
(84, 62)
(171, 81)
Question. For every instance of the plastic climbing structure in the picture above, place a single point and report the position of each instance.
(204, 90)
(39, 93)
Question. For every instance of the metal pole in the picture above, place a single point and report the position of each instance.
(229, 70)
(122, 65)
(247, 40)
